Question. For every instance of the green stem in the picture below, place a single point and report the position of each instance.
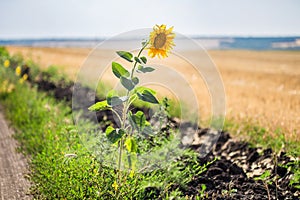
(123, 121)
(117, 114)
(139, 54)
(120, 159)
(122, 140)
(130, 102)
(126, 106)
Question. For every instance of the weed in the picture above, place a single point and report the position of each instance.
(265, 178)
(201, 192)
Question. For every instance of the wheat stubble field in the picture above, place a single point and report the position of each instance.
(261, 86)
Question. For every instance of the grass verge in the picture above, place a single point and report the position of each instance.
(62, 168)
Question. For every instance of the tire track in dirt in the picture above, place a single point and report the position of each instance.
(13, 165)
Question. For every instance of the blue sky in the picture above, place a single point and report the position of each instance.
(94, 18)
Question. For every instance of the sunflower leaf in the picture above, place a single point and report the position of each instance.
(131, 120)
(147, 96)
(127, 83)
(135, 80)
(148, 130)
(102, 105)
(126, 55)
(145, 69)
(131, 145)
(137, 121)
(114, 135)
(113, 99)
(143, 59)
(119, 70)
(140, 89)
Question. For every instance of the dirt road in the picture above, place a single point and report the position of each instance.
(13, 166)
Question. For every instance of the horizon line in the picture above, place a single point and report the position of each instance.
(108, 37)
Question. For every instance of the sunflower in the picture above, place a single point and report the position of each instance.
(18, 71)
(161, 41)
(6, 63)
(25, 77)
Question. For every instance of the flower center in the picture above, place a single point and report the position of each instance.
(160, 40)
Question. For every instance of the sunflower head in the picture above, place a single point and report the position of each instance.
(6, 63)
(18, 71)
(25, 77)
(161, 41)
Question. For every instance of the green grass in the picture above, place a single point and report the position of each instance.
(46, 139)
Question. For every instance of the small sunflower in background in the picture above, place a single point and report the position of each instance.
(18, 71)
(6, 87)
(161, 41)
(115, 185)
(6, 63)
(24, 78)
